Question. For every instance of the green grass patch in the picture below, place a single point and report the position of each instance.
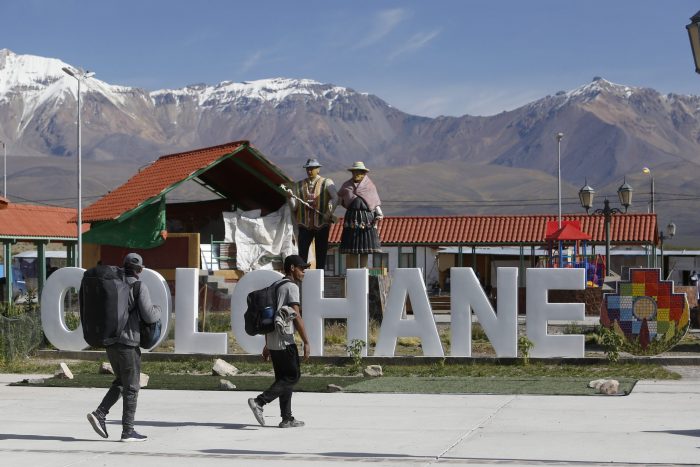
(389, 384)
(200, 382)
(481, 385)
(535, 369)
(467, 368)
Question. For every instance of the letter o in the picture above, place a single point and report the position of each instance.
(52, 309)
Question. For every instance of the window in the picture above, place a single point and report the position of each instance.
(380, 260)
(407, 260)
(330, 265)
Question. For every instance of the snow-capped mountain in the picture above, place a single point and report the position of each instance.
(611, 131)
(37, 110)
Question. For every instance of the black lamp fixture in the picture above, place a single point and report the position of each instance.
(624, 193)
(694, 35)
(585, 195)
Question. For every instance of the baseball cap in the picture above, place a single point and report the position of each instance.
(133, 259)
(295, 260)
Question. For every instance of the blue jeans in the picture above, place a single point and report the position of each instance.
(126, 363)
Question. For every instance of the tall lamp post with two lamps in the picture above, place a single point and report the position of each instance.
(624, 193)
(80, 75)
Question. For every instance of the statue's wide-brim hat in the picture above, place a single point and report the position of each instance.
(311, 163)
(359, 165)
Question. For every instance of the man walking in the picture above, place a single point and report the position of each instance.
(281, 348)
(313, 218)
(125, 356)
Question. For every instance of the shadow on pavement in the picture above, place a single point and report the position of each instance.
(243, 452)
(6, 436)
(225, 426)
(695, 433)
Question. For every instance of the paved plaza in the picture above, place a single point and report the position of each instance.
(658, 424)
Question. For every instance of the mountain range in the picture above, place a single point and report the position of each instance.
(500, 164)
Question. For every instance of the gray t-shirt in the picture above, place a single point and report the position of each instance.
(287, 295)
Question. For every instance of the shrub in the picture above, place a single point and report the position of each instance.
(354, 349)
(524, 347)
(612, 342)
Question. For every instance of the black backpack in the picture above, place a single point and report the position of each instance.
(104, 304)
(262, 305)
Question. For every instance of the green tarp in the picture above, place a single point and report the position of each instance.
(145, 229)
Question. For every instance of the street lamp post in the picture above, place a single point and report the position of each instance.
(647, 171)
(624, 193)
(4, 169)
(670, 232)
(79, 75)
(559, 138)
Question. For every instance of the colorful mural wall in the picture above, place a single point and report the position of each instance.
(647, 312)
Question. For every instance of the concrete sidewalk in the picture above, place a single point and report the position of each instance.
(659, 423)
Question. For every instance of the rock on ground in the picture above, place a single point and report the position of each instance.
(222, 368)
(63, 372)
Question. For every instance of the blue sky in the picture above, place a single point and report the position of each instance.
(438, 57)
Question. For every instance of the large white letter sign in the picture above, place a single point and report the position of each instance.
(187, 338)
(468, 295)
(408, 282)
(540, 311)
(53, 299)
(52, 309)
(353, 307)
(251, 281)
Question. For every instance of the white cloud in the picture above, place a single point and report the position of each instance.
(251, 61)
(384, 23)
(415, 42)
(458, 100)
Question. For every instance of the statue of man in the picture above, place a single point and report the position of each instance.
(313, 201)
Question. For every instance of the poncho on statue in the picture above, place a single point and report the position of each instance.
(360, 235)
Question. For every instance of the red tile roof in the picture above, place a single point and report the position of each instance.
(36, 222)
(226, 169)
(504, 230)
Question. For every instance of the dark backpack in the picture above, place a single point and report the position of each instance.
(262, 305)
(104, 305)
(149, 332)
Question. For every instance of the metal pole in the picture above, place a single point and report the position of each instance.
(559, 137)
(4, 169)
(79, 75)
(79, 254)
(608, 214)
(661, 237)
(652, 194)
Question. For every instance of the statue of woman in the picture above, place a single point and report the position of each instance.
(360, 227)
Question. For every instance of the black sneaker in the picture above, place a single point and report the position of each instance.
(98, 423)
(133, 437)
(291, 423)
(257, 411)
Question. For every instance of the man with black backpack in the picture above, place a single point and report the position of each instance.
(124, 353)
(281, 347)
